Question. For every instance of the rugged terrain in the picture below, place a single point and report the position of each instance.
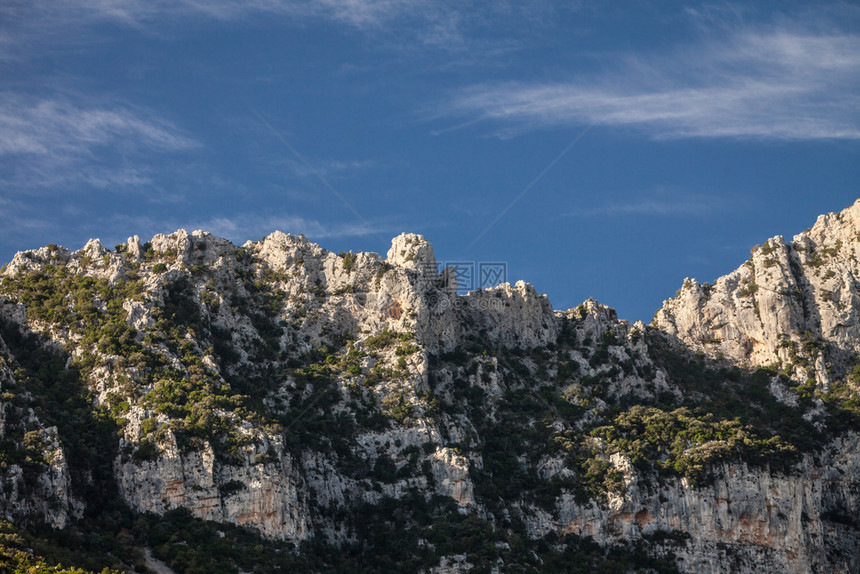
(276, 406)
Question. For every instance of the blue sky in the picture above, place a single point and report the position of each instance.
(599, 149)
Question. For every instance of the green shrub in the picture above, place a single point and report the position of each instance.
(397, 407)
(386, 338)
(748, 290)
(348, 261)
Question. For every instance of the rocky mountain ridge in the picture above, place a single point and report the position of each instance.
(347, 401)
(793, 305)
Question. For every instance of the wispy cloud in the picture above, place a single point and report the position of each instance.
(328, 168)
(446, 24)
(17, 217)
(252, 226)
(775, 84)
(358, 13)
(50, 141)
(48, 126)
(237, 228)
(668, 204)
(26, 227)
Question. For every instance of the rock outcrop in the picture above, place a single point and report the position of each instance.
(264, 492)
(794, 305)
(746, 519)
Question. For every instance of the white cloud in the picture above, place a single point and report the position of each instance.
(237, 228)
(253, 227)
(359, 13)
(51, 126)
(72, 226)
(50, 141)
(328, 169)
(47, 15)
(451, 25)
(17, 217)
(777, 84)
(670, 204)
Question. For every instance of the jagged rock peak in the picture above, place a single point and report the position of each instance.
(133, 246)
(282, 250)
(33, 258)
(198, 247)
(827, 225)
(592, 307)
(279, 239)
(786, 298)
(412, 251)
(94, 248)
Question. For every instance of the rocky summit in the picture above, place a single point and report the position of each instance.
(188, 405)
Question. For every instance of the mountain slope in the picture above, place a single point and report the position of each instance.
(330, 401)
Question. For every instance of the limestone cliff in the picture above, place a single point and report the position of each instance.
(349, 401)
(795, 305)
